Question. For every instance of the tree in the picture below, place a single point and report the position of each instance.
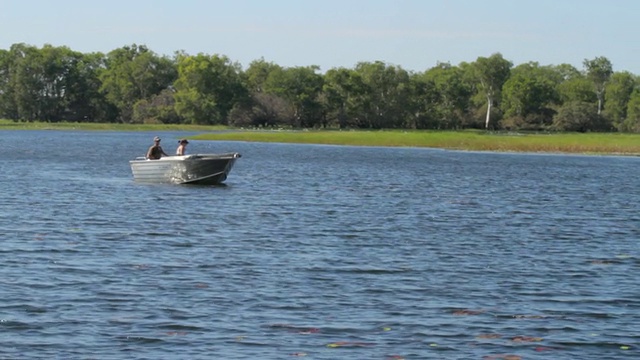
(581, 117)
(578, 89)
(301, 86)
(159, 109)
(207, 88)
(450, 95)
(599, 71)
(617, 94)
(632, 122)
(384, 96)
(8, 107)
(341, 89)
(133, 73)
(264, 110)
(492, 73)
(529, 94)
(26, 81)
(85, 101)
(257, 74)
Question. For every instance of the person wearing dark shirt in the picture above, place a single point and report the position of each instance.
(155, 152)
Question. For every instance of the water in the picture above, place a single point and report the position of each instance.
(320, 252)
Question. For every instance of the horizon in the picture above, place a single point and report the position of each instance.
(412, 34)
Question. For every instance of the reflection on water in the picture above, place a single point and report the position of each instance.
(322, 252)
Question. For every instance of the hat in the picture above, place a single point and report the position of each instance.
(156, 139)
(183, 141)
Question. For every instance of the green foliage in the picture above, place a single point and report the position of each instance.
(580, 117)
(593, 143)
(577, 89)
(599, 71)
(632, 122)
(301, 87)
(134, 85)
(491, 72)
(617, 95)
(529, 96)
(133, 73)
(257, 74)
(342, 88)
(448, 95)
(384, 94)
(160, 109)
(207, 88)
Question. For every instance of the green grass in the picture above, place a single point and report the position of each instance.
(472, 140)
(591, 143)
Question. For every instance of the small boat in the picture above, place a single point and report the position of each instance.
(202, 169)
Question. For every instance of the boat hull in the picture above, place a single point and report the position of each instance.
(201, 169)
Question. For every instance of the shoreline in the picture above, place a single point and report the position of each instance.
(613, 144)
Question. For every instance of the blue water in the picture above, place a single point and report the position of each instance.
(316, 252)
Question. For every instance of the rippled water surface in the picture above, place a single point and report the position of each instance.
(319, 252)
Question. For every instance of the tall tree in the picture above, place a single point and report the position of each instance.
(617, 94)
(632, 122)
(207, 88)
(26, 82)
(134, 73)
(450, 96)
(577, 88)
(301, 86)
(341, 87)
(257, 74)
(599, 71)
(492, 72)
(8, 108)
(386, 92)
(529, 94)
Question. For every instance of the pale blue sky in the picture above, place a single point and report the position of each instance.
(414, 34)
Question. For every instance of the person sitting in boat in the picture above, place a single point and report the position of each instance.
(182, 147)
(155, 152)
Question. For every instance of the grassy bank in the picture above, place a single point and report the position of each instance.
(593, 143)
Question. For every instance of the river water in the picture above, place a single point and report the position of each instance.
(318, 252)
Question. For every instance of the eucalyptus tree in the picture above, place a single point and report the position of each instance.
(159, 109)
(69, 82)
(576, 89)
(8, 107)
(341, 88)
(617, 94)
(259, 108)
(449, 96)
(529, 95)
(632, 121)
(491, 72)
(25, 84)
(207, 88)
(133, 73)
(599, 71)
(257, 74)
(85, 101)
(386, 90)
(581, 117)
(301, 86)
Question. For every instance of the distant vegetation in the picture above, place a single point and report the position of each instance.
(473, 140)
(133, 85)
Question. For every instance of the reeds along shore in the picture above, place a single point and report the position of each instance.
(574, 143)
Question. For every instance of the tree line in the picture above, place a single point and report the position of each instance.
(132, 84)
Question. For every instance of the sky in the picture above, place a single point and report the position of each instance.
(413, 34)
